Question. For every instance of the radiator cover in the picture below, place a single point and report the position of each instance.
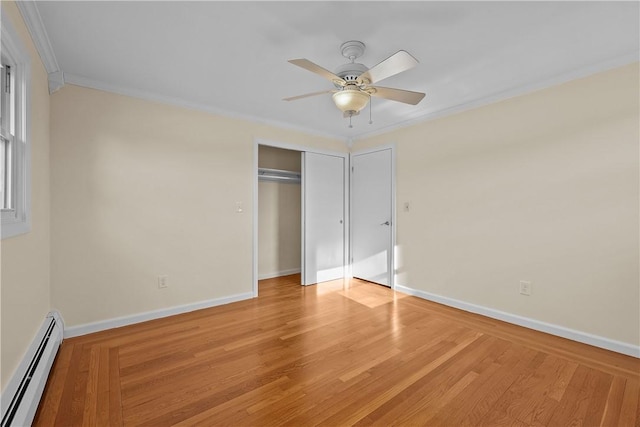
(21, 398)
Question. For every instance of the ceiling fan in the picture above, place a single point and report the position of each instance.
(354, 81)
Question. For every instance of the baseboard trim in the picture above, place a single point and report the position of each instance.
(549, 328)
(279, 273)
(117, 322)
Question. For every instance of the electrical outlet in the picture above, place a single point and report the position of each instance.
(163, 282)
(525, 287)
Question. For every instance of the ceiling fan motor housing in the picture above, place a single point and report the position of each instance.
(351, 50)
(349, 72)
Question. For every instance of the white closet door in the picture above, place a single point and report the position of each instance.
(323, 218)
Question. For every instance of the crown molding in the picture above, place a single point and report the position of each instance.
(56, 81)
(36, 28)
(609, 64)
(602, 66)
(33, 21)
(177, 102)
(591, 69)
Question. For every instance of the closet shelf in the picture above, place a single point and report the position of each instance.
(277, 175)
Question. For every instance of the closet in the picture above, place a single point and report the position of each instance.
(279, 212)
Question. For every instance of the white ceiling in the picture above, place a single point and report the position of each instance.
(231, 57)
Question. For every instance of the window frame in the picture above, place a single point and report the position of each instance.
(17, 220)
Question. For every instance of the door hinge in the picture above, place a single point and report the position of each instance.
(352, 169)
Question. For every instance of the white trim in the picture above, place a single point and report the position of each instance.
(56, 81)
(423, 117)
(279, 273)
(18, 220)
(170, 100)
(390, 146)
(118, 322)
(346, 270)
(303, 226)
(301, 148)
(33, 21)
(537, 325)
(254, 220)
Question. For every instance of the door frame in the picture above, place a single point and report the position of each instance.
(302, 148)
(392, 250)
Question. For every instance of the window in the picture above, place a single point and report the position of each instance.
(14, 142)
(7, 134)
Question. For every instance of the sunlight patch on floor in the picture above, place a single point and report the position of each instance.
(370, 294)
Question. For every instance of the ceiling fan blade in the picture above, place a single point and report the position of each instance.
(306, 95)
(400, 95)
(315, 68)
(396, 63)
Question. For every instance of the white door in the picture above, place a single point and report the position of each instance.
(323, 218)
(371, 216)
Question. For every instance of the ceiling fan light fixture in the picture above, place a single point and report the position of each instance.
(352, 100)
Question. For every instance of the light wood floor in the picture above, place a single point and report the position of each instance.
(336, 354)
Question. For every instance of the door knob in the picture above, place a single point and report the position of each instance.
(385, 223)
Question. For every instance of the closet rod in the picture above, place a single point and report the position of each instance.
(278, 175)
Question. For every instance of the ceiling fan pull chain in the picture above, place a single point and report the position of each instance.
(370, 119)
(350, 116)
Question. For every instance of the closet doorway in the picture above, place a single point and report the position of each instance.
(279, 212)
(300, 219)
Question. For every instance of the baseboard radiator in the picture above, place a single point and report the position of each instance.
(22, 395)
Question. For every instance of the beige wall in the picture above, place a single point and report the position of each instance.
(279, 215)
(25, 258)
(141, 189)
(279, 158)
(543, 187)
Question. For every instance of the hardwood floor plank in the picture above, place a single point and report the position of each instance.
(545, 390)
(598, 399)
(102, 404)
(89, 416)
(613, 404)
(64, 415)
(573, 404)
(115, 396)
(52, 395)
(334, 354)
(562, 376)
(629, 409)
